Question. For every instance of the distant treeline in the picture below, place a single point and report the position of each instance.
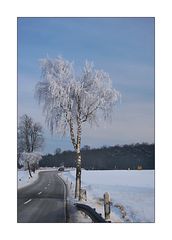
(133, 156)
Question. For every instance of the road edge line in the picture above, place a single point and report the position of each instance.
(65, 195)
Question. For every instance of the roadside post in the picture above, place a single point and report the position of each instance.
(107, 206)
(83, 194)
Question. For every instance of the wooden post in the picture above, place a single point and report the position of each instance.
(107, 206)
(83, 195)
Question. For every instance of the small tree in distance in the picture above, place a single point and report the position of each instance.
(30, 159)
(70, 100)
(57, 151)
(86, 147)
(29, 137)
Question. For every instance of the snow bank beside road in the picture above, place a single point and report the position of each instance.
(24, 179)
(132, 190)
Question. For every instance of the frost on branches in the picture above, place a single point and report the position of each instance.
(30, 160)
(70, 100)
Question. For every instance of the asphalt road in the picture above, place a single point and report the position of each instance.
(44, 201)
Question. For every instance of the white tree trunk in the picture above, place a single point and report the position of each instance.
(78, 175)
(78, 157)
(78, 160)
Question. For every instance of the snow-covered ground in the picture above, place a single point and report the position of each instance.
(131, 192)
(24, 179)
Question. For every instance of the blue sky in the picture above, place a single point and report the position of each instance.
(124, 47)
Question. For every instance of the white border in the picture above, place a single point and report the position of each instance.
(161, 10)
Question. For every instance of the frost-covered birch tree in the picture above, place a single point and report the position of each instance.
(69, 101)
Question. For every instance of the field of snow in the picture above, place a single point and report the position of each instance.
(131, 192)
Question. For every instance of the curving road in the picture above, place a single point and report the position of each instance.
(44, 201)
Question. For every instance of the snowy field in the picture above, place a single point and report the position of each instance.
(131, 192)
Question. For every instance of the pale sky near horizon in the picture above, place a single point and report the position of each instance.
(123, 47)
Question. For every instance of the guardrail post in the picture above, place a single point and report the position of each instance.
(83, 194)
(107, 206)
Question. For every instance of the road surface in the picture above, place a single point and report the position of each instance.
(44, 201)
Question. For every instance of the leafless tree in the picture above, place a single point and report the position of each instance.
(57, 151)
(70, 101)
(30, 136)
